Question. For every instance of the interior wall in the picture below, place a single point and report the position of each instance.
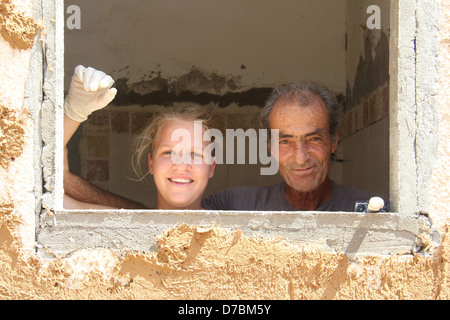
(226, 57)
(365, 123)
(253, 43)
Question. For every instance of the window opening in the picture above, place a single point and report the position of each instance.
(376, 103)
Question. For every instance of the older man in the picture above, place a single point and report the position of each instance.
(306, 115)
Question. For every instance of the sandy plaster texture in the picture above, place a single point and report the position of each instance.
(16, 28)
(11, 135)
(193, 262)
(214, 263)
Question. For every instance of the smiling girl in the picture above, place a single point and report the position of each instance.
(181, 169)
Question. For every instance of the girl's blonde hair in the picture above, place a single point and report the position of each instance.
(146, 141)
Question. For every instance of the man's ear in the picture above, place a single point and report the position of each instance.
(334, 142)
(150, 168)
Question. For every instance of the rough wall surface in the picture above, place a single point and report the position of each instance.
(19, 33)
(17, 29)
(440, 179)
(213, 263)
(193, 262)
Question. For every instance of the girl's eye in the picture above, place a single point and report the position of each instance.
(196, 155)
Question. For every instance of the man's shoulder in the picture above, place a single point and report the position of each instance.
(344, 198)
(272, 198)
(342, 190)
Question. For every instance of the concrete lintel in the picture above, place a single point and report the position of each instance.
(351, 233)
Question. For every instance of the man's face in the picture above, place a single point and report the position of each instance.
(305, 144)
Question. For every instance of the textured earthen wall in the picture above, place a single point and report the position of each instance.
(203, 263)
(213, 263)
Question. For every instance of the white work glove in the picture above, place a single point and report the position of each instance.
(90, 90)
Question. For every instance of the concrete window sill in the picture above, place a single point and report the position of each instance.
(348, 232)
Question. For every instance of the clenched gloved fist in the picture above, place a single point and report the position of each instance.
(90, 90)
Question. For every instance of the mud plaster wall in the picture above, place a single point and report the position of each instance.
(199, 263)
(18, 33)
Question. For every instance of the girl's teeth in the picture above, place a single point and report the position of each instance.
(180, 180)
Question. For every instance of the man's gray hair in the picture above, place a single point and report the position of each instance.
(304, 93)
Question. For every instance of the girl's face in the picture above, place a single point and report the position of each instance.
(180, 183)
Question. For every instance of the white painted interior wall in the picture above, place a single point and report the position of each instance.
(277, 41)
(366, 153)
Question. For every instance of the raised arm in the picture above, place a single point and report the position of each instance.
(90, 90)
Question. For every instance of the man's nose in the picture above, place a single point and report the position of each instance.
(301, 153)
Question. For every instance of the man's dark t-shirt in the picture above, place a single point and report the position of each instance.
(272, 198)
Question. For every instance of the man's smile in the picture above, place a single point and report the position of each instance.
(303, 171)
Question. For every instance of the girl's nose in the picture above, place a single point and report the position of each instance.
(181, 158)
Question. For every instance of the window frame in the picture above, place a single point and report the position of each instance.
(411, 108)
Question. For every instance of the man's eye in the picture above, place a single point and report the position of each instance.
(283, 142)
